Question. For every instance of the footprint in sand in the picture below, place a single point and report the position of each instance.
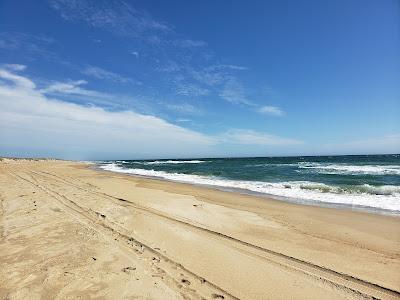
(185, 281)
(128, 269)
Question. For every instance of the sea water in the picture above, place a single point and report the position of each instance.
(356, 181)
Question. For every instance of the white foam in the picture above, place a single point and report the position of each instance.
(384, 197)
(171, 162)
(352, 169)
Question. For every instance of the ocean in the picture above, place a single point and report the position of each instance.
(369, 182)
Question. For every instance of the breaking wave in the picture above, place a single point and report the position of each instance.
(169, 162)
(351, 169)
(383, 197)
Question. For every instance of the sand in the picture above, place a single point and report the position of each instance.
(69, 231)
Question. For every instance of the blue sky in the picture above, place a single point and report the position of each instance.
(154, 79)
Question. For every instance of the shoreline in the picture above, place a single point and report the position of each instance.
(266, 196)
(68, 230)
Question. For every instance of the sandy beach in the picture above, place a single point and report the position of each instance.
(69, 231)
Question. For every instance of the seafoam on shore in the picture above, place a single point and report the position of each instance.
(359, 181)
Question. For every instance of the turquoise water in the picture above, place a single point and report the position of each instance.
(370, 181)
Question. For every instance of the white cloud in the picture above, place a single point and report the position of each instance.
(251, 137)
(74, 91)
(14, 67)
(19, 81)
(31, 121)
(271, 110)
(72, 88)
(101, 73)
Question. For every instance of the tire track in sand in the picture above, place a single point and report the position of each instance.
(340, 281)
(179, 281)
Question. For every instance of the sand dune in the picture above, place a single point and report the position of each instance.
(69, 231)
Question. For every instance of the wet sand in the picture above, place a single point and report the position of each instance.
(69, 231)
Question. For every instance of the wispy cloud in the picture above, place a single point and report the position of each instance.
(251, 137)
(184, 108)
(27, 45)
(190, 89)
(135, 53)
(183, 120)
(14, 67)
(76, 92)
(115, 16)
(271, 110)
(189, 43)
(208, 77)
(226, 67)
(15, 81)
(72, 88)
(221, 77)
(101, 73)
(171, 53)
(31, 120)
(216, 74)
(170, 66)
(234, 92)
